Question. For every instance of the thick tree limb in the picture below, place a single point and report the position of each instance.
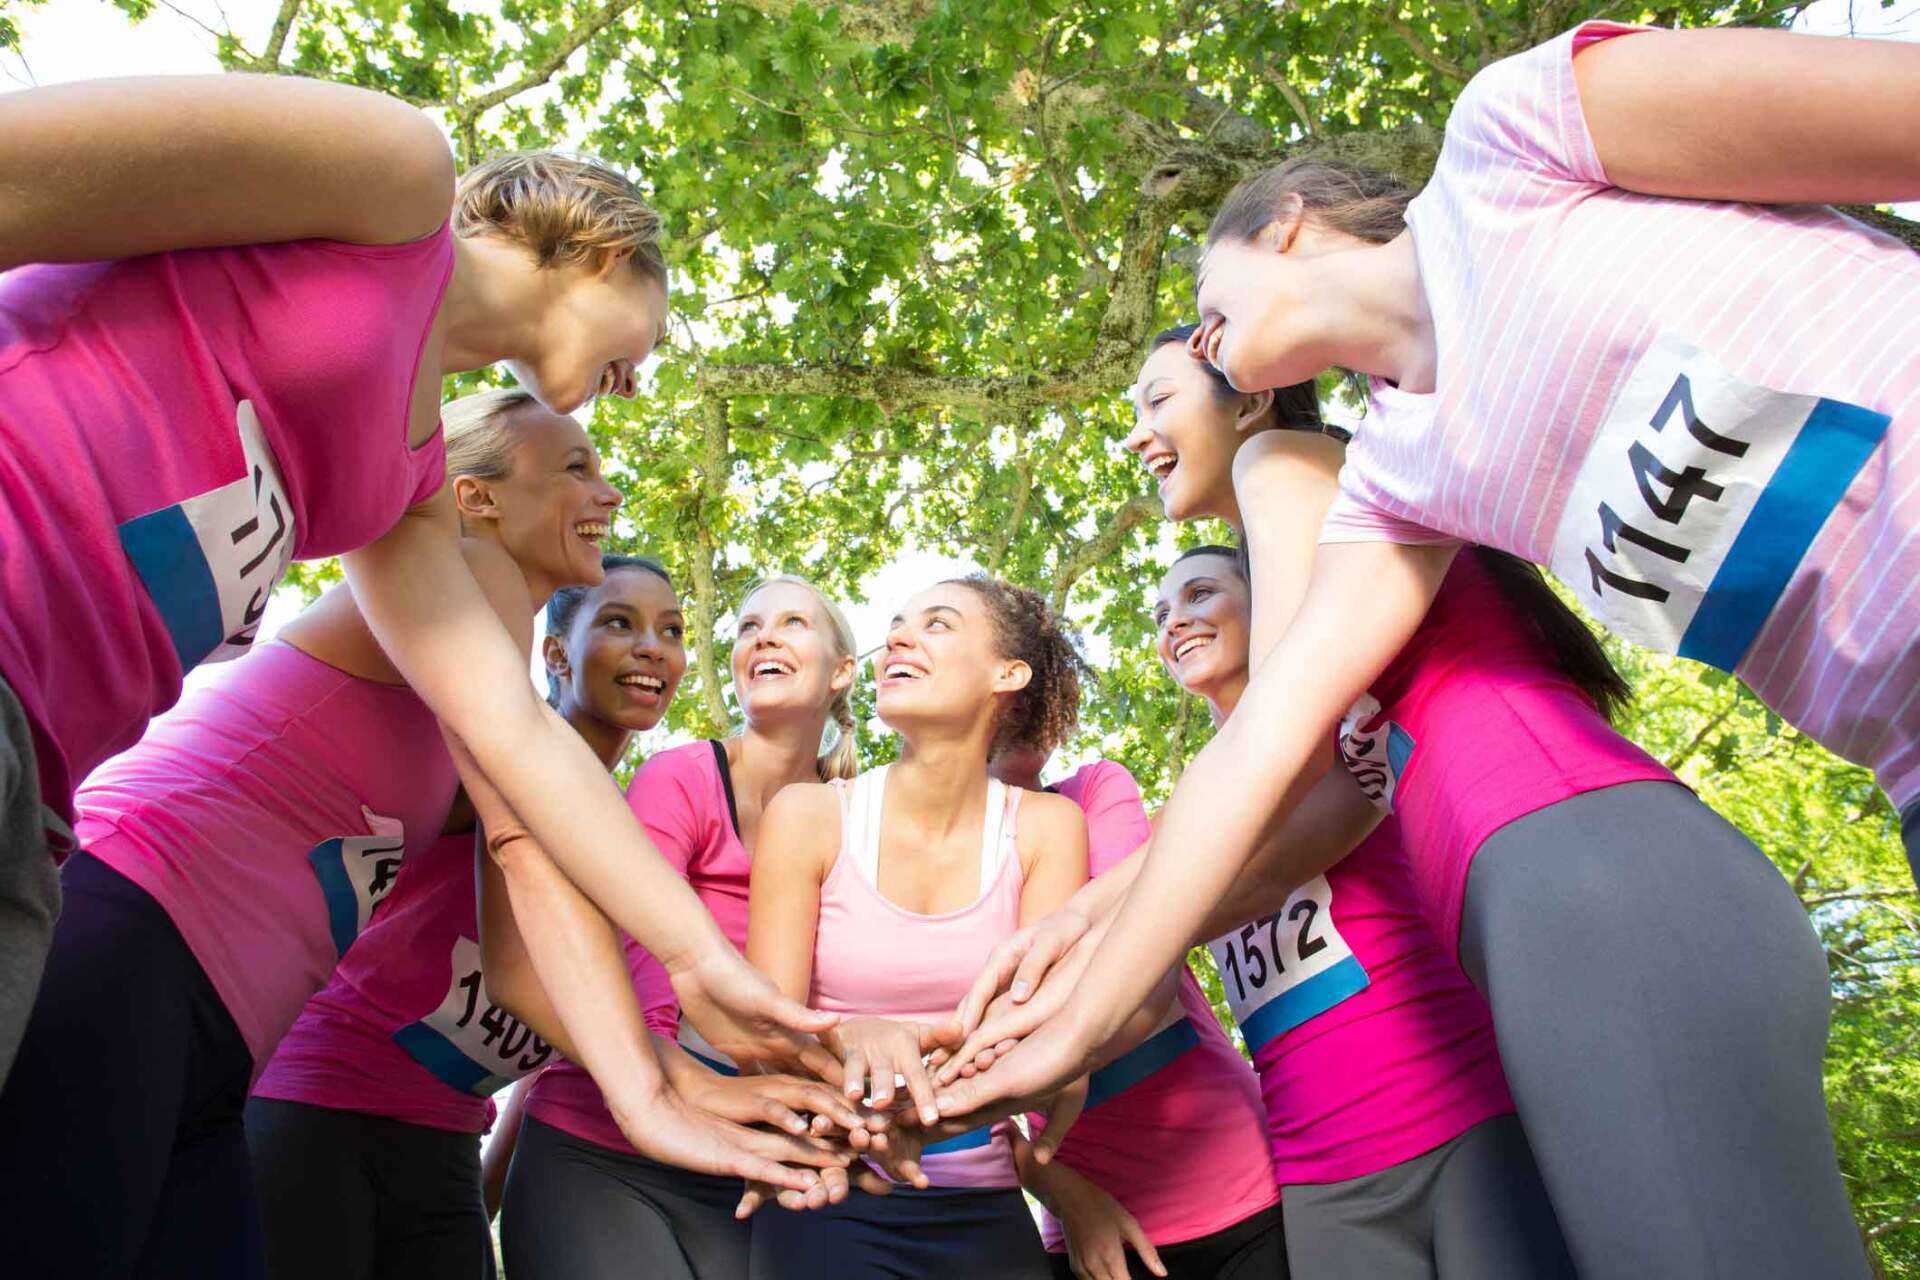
(705, 608)
(880, 21)
(1880, 220)
(282, 27)
(1421, 49)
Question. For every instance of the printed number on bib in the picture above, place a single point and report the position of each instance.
(1375, 754)
(1699, 499)
(469, 1042)
(356, 873)
(210, 563)
(1287, 968)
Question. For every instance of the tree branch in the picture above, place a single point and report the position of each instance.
(1421, 49)
(282, 28)
(1135, 512)
(544, 70)
(878, 21)
(706, 601)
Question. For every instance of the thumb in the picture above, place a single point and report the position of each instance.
(1061, 1117)
(941, 1035)
(1033, 967)
(789, 1013)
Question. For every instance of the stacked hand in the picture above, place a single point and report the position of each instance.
(742, 1014)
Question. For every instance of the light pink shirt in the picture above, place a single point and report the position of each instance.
(174, 430)
(1700, 414)
(269, 813)
(1175, 1129)
(406, 1028)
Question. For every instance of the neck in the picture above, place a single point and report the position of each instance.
(1375, 319)
(776, 754)
(1222, 700)
(940, 781)
(540, 587)
(492, 305)
(1026, 779)
(609, 741)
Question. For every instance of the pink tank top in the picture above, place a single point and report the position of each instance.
(1472, 726)
(269, 814)
(1371, 1044)
(871, 957)
(406, 1029)
(174, 430)
(1175, 1130)
(683, 799)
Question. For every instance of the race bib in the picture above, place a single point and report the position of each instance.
(469, 1042)
(1698, 500)
(209, 563)
(696, 1044)
(1287, 968)
(355, 873)
(1376, 756)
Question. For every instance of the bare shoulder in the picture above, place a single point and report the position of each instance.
(1048, 819)
(801, 825)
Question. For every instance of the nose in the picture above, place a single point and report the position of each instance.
(1137, 439)
(609, 497)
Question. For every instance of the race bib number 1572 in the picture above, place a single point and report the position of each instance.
(1699, 498)
(1289, 967)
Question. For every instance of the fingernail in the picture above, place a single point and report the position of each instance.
(1019, 991)
(929, 1115)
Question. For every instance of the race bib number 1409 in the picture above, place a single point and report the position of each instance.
(1699, 499)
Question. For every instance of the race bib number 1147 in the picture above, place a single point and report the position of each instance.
(1699, 499)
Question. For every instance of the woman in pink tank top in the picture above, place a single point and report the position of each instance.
(364, 1127)
(222, 343)
(232, 858)
(879, 899)
(1170, 1157)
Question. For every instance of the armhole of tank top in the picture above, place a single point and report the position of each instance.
(726, 785)
(993, 833)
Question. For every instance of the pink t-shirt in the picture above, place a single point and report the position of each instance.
(1700, 414)
(1475, 725)
(174, 430)
(268, 813)
(872, 957)
(1175, 1130)
(406, 1028)
(1372, 1046)
(682, 797)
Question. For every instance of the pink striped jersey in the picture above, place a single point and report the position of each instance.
(1701, 415)
(269, 814)
(1174, 1129)
(175, 430)
(406, 1029)
(684, 798)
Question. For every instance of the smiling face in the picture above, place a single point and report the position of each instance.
(625, 651)
(942, 660)
(1201, 623)
(786, 657)
(1185, 433)
(553, 509)
(596, 325)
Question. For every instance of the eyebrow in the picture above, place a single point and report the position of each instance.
(1146, 392)
(939, 608)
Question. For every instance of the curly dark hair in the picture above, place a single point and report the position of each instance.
(1027, 629)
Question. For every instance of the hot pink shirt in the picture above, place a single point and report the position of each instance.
(1476, 726)
(406, 1028)
(1700, 414)
(1372, 1046)
(269, 813)
(1174, 1130)
(174, 430)
(872, 957)
(681, 797)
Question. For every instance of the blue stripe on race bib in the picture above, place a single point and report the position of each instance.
(343, 904)
(1159, 1050)
(965, 1142)
(166, 553)
(1309, 999)
(442, 1057)
(1399, 749)
(1828, 453)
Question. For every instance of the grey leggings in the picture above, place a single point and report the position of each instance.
(1660, 1001)
(1470, 1209)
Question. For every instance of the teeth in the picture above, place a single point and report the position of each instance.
(592, 529)
(772, 669)
(652, 684)
(1163, 466)
(1188, 645)
(900, 670)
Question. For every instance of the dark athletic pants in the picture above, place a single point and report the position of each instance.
(29, 885)
(942, 1233)
(1660, 1000)
(120, 1127)
(1470, 1209)
(575, 1210)
(1250, 1249)
(1910, 836)
(350, 1196)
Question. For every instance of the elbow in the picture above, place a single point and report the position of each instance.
(422, 177)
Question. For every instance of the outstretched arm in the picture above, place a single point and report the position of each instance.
(116, 168)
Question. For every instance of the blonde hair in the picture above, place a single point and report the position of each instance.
(479, 433)
(841, 759)
(566, 210)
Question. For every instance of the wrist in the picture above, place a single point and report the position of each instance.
(690, 942)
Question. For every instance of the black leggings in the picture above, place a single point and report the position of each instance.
(1470, 1209)
(942, 1233)
(1251, 1249)
(575, 1210)
(348, 1196)
(120, 1128)
(1660, 1001)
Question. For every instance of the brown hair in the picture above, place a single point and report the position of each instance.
(1364, 203)
(1027, 629)
(566, 210)
(842, 758)
(1295, 407)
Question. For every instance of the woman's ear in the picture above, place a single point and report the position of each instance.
(474, 499)
(1014, 676)
(1280, 234)
(1253, 411)
(842, 678)
(609, 262)
(553, 654)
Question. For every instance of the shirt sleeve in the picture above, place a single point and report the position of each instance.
(1352, 518)
(1116, 816)
(1525, 112)
(665, 795)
